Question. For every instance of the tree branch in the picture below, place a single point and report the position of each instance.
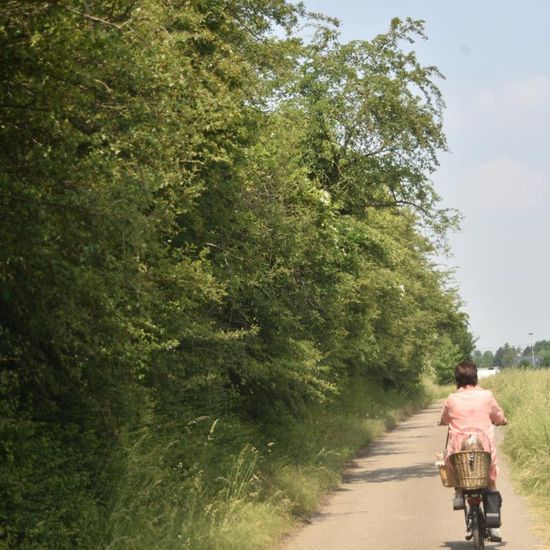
(400, 202)
(96, 19)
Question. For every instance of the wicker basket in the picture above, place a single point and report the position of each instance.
(446, 476)
(471, 469)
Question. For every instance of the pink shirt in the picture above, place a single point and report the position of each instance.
(473, 407)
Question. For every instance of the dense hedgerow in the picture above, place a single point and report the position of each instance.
(208, 226)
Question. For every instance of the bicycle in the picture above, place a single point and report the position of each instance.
(475, 517)
(481, 504)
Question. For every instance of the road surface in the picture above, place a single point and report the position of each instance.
(392, 499)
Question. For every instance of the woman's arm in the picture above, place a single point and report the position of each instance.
(445, 417)
(497, 414)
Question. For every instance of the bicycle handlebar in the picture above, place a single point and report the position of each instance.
(503, 423)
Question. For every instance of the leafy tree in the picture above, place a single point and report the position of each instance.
(506, 356)
(488, 359)
(445, 359)
(202, 217)
(544, 357)
(484, 360)
(541, 353)
(374, 122)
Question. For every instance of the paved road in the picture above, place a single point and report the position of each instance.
(392, 499)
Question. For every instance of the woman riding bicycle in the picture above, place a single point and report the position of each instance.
(472, 407)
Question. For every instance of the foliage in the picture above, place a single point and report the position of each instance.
(445, 360)
(506, 356)
(203, 217)
(484, 360)
(539, 354)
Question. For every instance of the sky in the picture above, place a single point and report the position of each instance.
(495, 55)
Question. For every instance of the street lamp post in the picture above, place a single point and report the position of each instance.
(532, 350)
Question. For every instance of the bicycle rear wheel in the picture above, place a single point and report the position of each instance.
(477, 529)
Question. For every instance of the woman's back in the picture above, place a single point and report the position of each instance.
(472, 407)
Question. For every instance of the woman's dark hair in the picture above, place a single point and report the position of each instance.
(466, 374)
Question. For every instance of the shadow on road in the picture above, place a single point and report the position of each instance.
(382, 475)
(464, 545)
(385, 448)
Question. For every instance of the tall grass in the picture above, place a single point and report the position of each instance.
(167, 503)
(227, 487)
(310, 455)
(525, 397)
(438, 391)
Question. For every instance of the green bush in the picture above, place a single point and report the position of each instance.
(48, 481)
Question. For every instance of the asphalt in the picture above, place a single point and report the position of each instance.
(392, 499)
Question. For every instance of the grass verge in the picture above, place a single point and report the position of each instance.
(525, 397)
(234, 488)
(437, 391)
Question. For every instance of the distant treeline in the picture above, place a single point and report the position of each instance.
(202, 216)
(537, 355)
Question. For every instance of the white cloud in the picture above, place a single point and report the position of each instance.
(529, 94)
(509, 120)
(505, 185)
